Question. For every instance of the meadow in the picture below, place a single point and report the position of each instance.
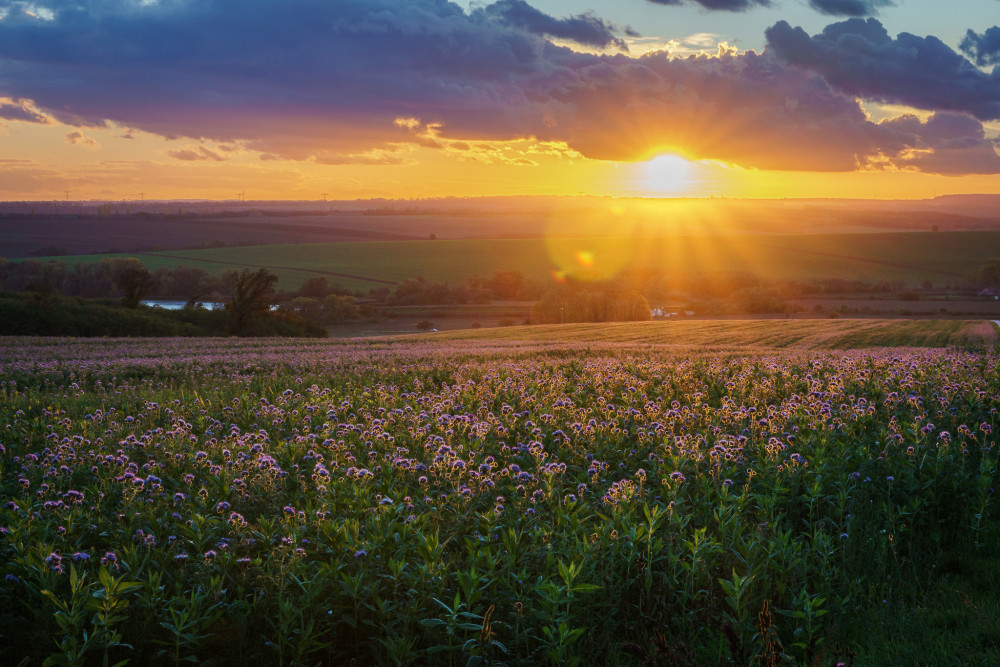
(426, 500)
(911, 258)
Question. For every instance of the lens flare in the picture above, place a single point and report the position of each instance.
(590, 249)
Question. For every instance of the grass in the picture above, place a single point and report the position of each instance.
(955, 620)
(908, 257)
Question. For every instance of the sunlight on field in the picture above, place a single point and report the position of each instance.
(763, 334)
(598, 247)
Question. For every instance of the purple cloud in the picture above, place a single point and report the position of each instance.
(947, 143)
(21, 113)
(859, 57)
(584, 29)
(984, 48)
(718, 5)
(849, 7)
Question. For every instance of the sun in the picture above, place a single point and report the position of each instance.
(667, 173)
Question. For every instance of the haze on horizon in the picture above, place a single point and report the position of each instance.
(170, 99)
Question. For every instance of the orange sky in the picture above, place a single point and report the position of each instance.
(105, 166)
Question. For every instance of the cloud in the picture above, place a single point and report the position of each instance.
(984, 48)
(584, 29)
(849, 7)
(718, 5)
(195, 154)
(946, 143)
(369, 81)
(859, 57)
(77, 138)
(20, 112)
(397, 154)
(830, 7)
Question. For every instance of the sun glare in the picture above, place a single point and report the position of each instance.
(667, 173)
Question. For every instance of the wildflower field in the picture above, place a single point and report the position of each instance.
(454, 502)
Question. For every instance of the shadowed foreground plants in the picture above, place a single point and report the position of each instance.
(413, 502)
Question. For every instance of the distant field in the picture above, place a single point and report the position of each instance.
(940, 257)
(797, 334)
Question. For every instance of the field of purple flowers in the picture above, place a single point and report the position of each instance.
(475, 503)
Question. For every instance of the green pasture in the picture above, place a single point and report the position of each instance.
(939, 257)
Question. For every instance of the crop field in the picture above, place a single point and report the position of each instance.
(633, 500)
(740, 334)
(909, 257)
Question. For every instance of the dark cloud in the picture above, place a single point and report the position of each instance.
(946, 143)
(849, 7)
(21, 113)
(830, 7)
(584, 29)
(860, 58)
(365, 81)
(984, 48)
(718, 5)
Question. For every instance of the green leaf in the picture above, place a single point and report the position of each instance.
(585, 588)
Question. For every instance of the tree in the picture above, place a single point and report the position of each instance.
(340, 309)
(317, 288)
(192, 283)
(307, 307)
(508, 285)
(135, 280)
(988, 274)
(594, 302)
(253, 295)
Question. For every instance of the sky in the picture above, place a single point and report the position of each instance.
(114, 100)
